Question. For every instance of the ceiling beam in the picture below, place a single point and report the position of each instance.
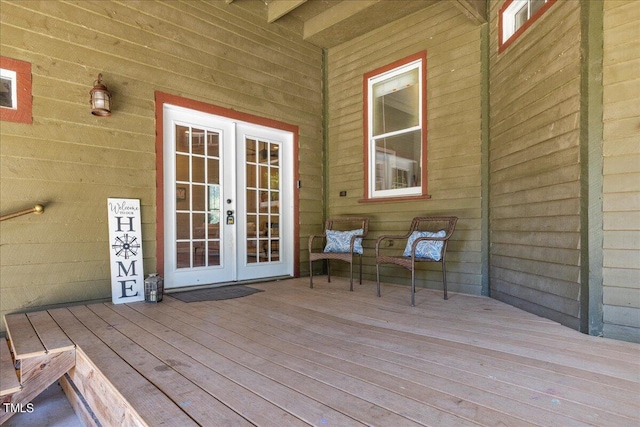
(335, 15)
(476, 10)
(278, 8)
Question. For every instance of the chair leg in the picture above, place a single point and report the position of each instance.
(413, 287)
(310, 274)
(329, 270)
(351, 274)
(360, 256)
(378, 277)
(444, 279)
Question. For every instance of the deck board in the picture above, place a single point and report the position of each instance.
(149, 402)
(29, 345)
(439, 376)
(53, 338)
(186, 360)
(326, 356)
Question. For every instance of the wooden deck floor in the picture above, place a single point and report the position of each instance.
(328, 357)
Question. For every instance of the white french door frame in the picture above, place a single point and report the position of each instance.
(233, 237)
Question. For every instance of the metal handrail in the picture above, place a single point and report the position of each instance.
(37, 209)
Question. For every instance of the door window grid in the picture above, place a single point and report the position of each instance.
(263, 201)
(198, 242)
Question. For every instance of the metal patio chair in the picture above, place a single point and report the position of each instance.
(427, 240)
(343, 237)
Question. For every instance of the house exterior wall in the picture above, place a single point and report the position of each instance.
(453, 45)
(621, 168)
(221, 54)
(534, 165)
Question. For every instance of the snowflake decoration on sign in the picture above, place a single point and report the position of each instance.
(126, 246)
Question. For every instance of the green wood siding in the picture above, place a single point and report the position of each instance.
(535, 165)
(621, 167)
(221, 54)
(453, 45)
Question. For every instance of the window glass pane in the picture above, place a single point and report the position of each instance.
(520, 17)
(535, 5)
(398, 161)
(396, 103)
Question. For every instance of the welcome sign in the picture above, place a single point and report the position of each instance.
(125, 247)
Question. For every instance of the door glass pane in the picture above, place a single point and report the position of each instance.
(182, 139)
(214, 252)
(182, 168)
(262, 164)
(197, 141)
(199, 253)
(183, 252)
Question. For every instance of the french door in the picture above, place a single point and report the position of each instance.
(228, 191)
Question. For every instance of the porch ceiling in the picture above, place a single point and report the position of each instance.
(327, 23)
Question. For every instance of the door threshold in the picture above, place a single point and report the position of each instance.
(222, 284)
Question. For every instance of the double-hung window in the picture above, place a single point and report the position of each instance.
(516, 16)
(395, 129)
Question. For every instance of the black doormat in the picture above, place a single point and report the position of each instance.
(215, 294)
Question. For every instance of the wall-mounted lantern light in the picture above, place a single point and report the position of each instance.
(100, 99)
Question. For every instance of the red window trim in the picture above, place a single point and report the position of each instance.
(365, 120)
(162, 98)
(25, 102)
(502, 46)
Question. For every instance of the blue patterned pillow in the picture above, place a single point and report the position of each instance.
(426, 249)
(339, 241)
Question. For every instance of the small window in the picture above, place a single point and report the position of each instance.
(516, 16)
(395, 129)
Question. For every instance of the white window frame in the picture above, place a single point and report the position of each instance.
(372, 154)
(508, 17)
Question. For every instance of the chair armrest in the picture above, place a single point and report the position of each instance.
(352, 243)
(430, 239)
(388, 237)
(312, 237)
